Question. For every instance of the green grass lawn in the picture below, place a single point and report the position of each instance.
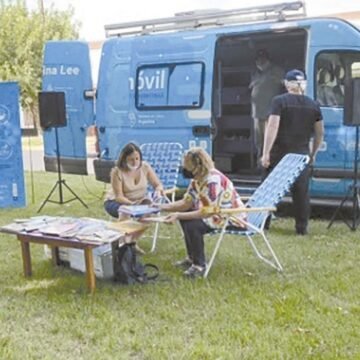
(244, 310)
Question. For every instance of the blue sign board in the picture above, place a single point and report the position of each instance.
(12, 189)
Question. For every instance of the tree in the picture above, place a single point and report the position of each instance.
(23, 34)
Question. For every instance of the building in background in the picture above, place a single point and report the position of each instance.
(351, 16)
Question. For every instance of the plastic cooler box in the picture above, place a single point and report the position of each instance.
(102, 256)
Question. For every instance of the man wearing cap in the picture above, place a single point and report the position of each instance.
(294, 119)
(266, 82)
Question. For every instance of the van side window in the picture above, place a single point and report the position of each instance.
(332, 70)
(169, 86)
(185, 85)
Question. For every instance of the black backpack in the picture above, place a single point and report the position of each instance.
(128, 270)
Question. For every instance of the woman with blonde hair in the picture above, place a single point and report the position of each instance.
(208, 187)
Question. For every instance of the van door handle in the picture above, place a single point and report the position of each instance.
(201, 131)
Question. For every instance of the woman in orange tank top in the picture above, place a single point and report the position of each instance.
(129, 180)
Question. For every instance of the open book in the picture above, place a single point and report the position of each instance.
(138, 210)
(153, 219)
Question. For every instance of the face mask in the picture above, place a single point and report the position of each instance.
(187, 173)
(130, 167)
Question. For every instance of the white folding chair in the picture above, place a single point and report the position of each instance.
(165, 158)
(259, 207)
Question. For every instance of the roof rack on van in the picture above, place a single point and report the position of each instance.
(208, 18)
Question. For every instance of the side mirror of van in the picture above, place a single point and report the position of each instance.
(352, 103)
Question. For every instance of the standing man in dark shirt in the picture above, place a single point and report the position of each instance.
(266, 82)
(294, 119)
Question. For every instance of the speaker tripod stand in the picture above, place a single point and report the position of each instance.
(353, 194)
(60, 183)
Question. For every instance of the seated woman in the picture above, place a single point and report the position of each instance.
(129, 181)
(208, 187)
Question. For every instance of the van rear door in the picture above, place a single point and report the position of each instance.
(66, 68)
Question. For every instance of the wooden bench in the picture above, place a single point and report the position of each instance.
(55, 242)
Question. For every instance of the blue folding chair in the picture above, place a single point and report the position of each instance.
(165, 158)
(260, 205)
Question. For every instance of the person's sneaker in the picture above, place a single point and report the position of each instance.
(183, 264)
(195, 271)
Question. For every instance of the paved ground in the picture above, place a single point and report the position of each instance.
(35, 156)
(33, 153)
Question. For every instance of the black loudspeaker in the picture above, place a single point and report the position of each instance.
(52, 110)
(352, 103)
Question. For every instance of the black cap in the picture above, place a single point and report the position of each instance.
(295, 75)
